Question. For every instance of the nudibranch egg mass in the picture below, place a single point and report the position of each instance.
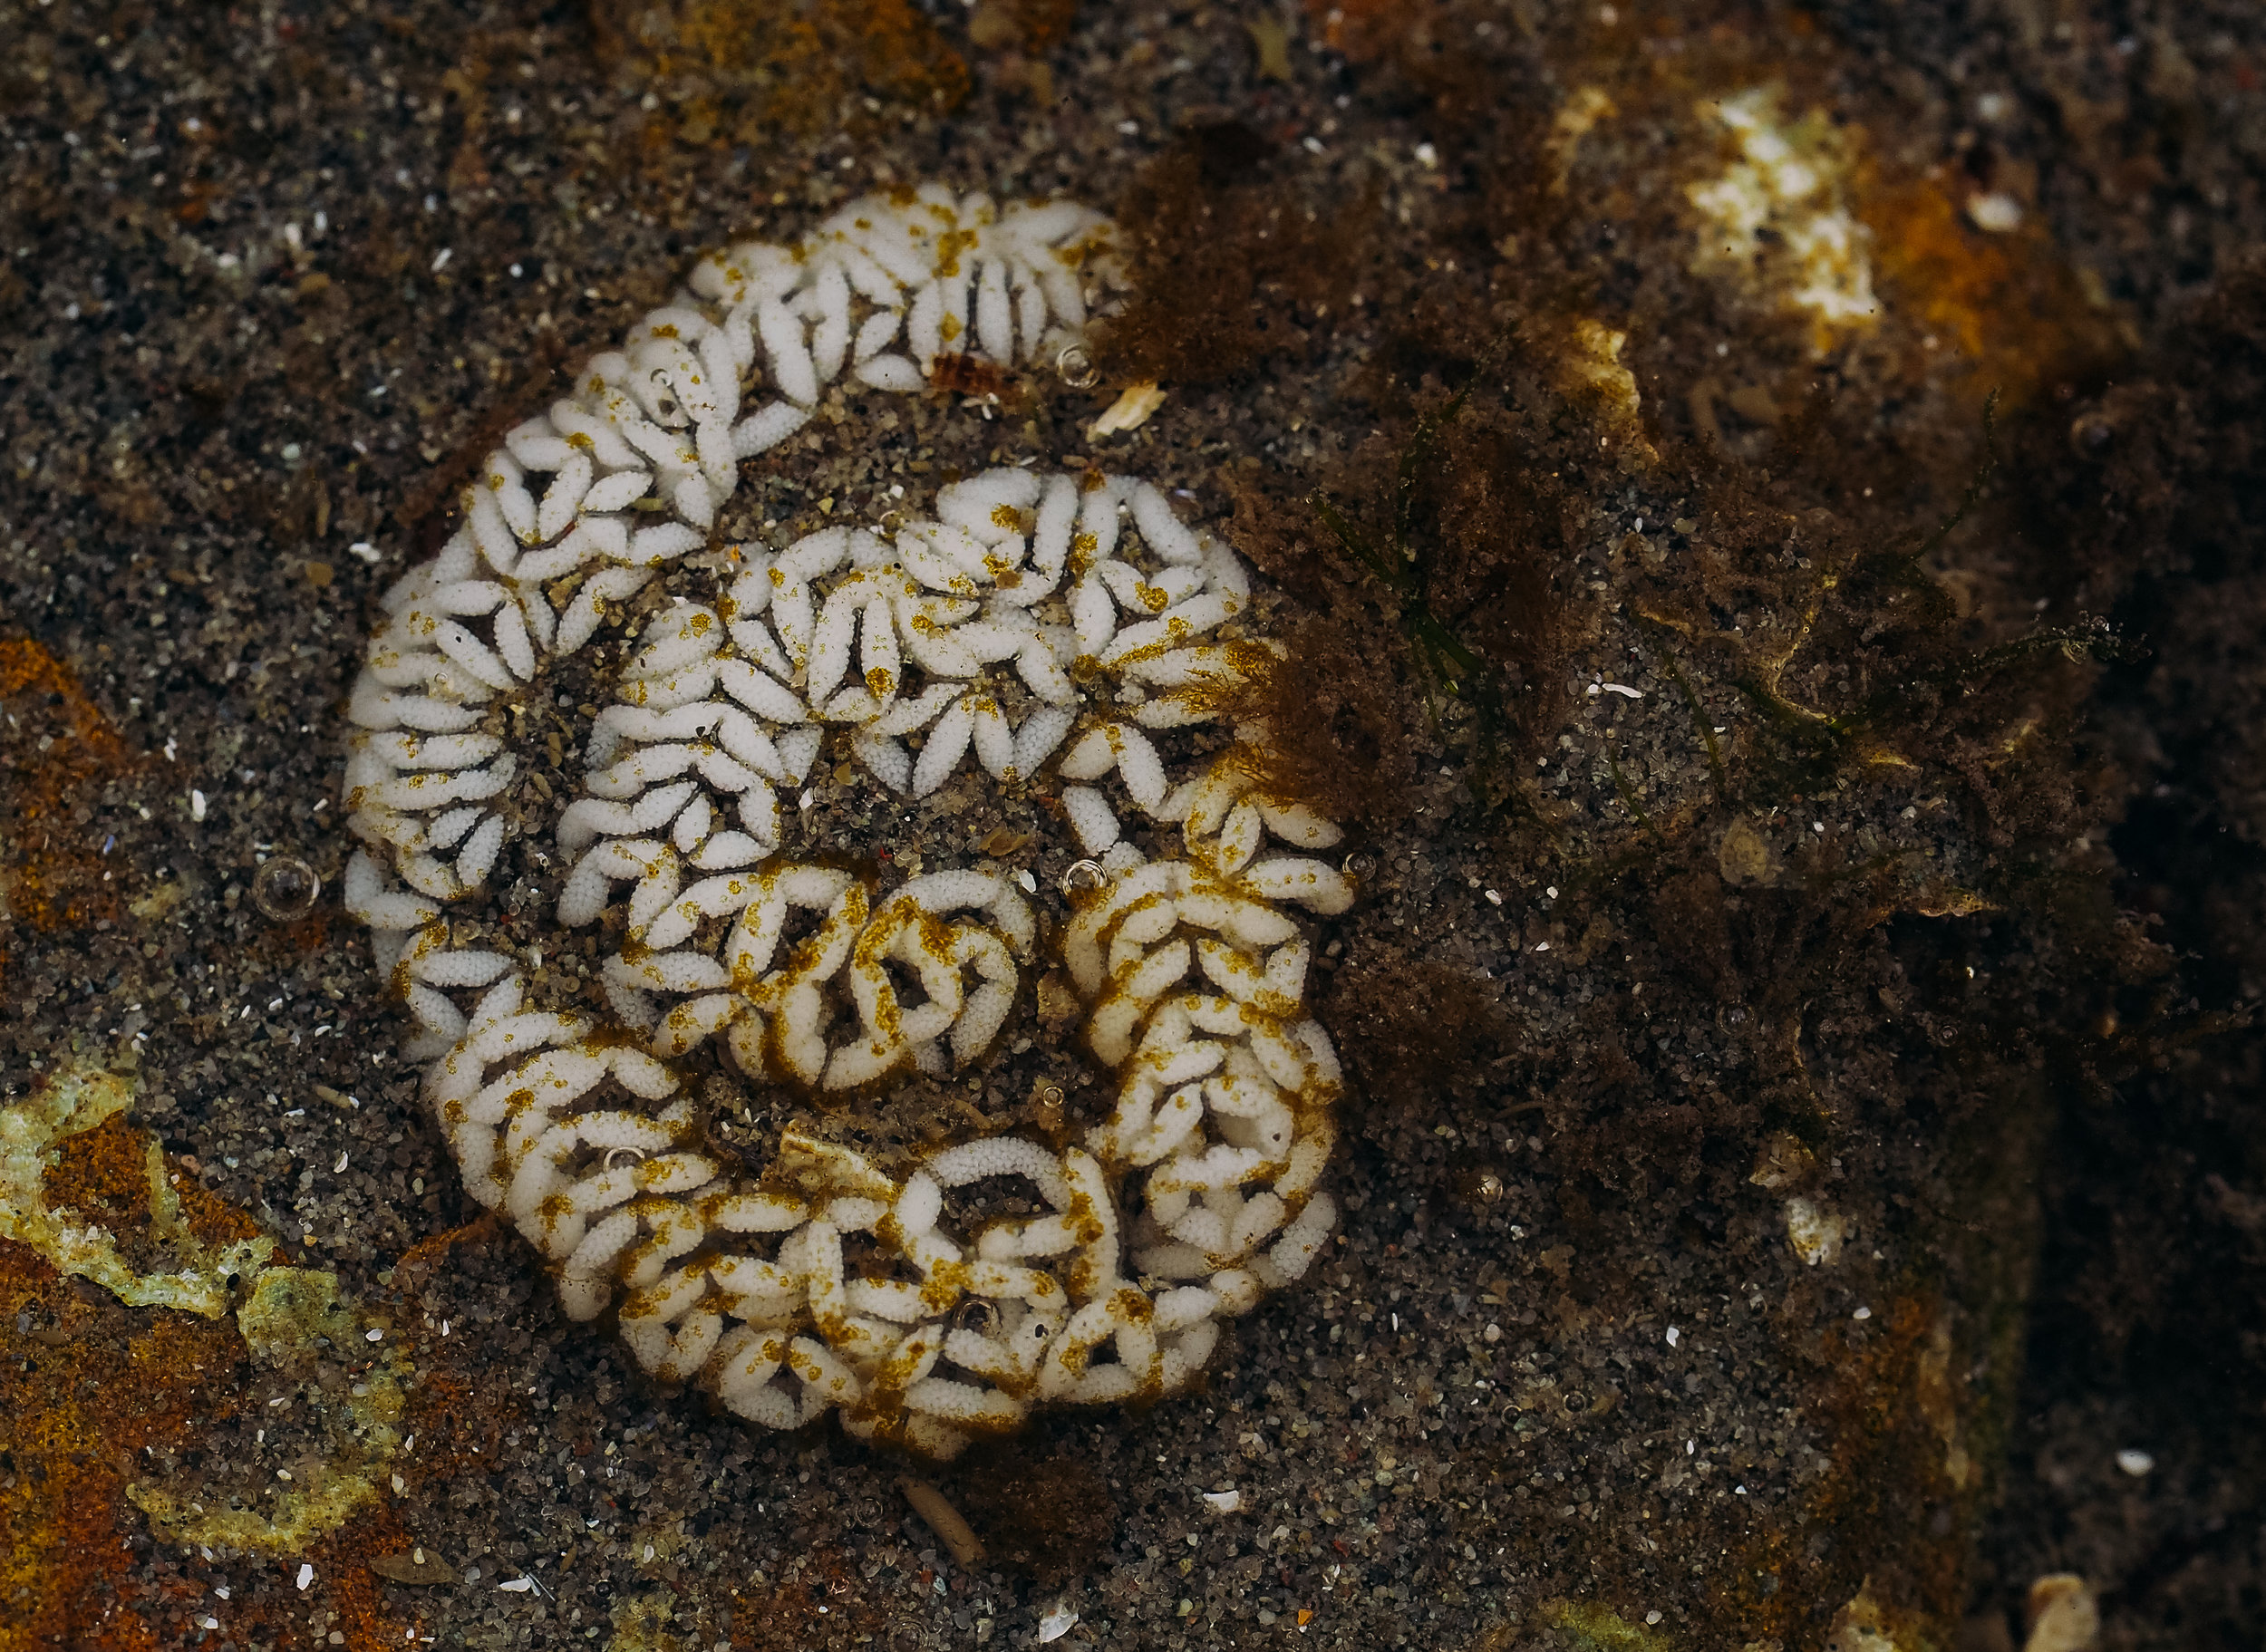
(1067, 625)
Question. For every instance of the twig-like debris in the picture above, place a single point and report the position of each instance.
(943, 1520)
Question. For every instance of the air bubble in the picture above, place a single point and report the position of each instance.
(1076, 367)
(286, 889)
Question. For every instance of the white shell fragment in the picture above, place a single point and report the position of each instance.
(1055, 629)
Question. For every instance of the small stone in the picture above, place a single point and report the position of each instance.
(2062, 1615)
(1784, 1162)
(995, 27)
(1995, 214)
(419, 1566)
(1270, 48)
(1815, 1231)
(1743, 858)
(1057, 1003)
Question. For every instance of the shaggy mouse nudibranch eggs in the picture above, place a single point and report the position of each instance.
(1066, 629)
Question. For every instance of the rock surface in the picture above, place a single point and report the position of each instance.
(1805, 1179)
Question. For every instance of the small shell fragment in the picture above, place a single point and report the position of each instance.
(1129, 411)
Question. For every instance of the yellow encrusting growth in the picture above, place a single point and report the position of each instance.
(67, 1155)
(75, 1100)
(1777, 221)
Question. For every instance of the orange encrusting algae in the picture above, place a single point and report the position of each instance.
(51, 871)
(83, 1394)
(101, 1397)
(1892, 1423)
(2011, 303)
(103, 1174)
